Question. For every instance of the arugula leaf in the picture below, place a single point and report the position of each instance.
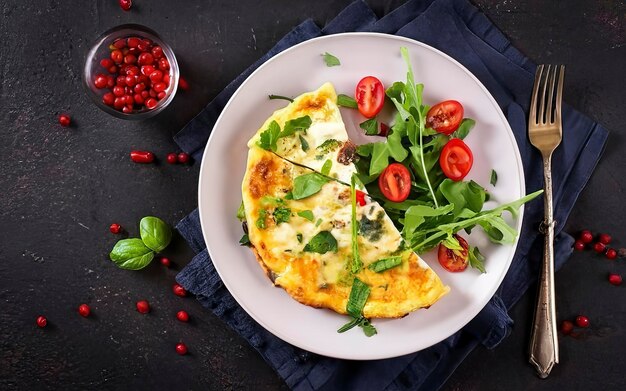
(281, 214)
(385, 264)
(293, 125)
(494, 178)
(321, 243)
(307, 214)
(330, 60)
(155, 233)
(303, 143)
(370, 126)
(245, 240)
(241, 212)
(464, 128)
(260, 221)
(356, 258)
(131, 254)
(269, 137)
(476, 259)
(464, 195)
(346, 101)
(308, 184)
(328, 164)
(272, 96)
(328, 145)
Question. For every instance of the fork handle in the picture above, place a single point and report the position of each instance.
(544, 345)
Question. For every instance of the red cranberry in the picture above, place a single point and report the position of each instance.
(64, 120)
(166, 79)
(115, 228)
(138, 99)
(615, 279)
(172, 158)
(139, 87)
(579, 245)
(84, 310)
(159, 87)
(42, 321)
(153, 93)
(156, 76)
(179, 290)
(145, 94)
(126, 4)
(157, 52)
(119, 103)
(164, 65)
(130, 59)
(129, 98)
(586, 236)
(119, 43)
(181, 348)
(567, 327)
(611, 253)
(165, 261)
(118, 91)
(183, 316)
(133, 42)
(106, 63)
(127, 109)
(108, 99)
(183, 157)
(117, 56)
(182, 83)
(131, 80)
(110, 81)
(143, 307)
(141, 156)
(120, 81)
(145, 59)
(146, 70)
(100, 81)
(599, 247)
(582, 321)
(161, 95)
(151, 103)
(604, 238)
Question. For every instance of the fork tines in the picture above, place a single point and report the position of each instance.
(545, 108)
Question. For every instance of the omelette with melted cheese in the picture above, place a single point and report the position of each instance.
(300, 222)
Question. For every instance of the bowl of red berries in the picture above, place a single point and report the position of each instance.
(131, 73)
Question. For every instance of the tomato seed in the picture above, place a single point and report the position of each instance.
(582, 321)
(42, 321)
(615, 279)
(143, 307)
(84, 310)
(183, 316)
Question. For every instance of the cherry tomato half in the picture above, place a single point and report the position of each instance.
(360, 198)
(370, 96)
(456, 159)
(395, 182)
(454, 261)
(445, 117)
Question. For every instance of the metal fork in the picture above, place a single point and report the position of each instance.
(545, 133)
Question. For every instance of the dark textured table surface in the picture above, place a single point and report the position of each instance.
(62, 187)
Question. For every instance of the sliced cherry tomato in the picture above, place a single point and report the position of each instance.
(454, 260)
(395, 182)
(445, 117)
(360, 198)
(370, 96)
(456, 159)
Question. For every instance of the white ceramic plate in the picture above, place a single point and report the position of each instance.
(300, 69)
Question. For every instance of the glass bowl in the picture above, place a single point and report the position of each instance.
(130, 64)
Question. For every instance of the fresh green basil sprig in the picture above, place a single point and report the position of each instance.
(135, 253)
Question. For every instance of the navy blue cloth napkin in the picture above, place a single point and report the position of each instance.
(459, 29)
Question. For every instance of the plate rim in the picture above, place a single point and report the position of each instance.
(363, 354)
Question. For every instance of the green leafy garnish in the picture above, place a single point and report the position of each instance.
(241, 212)
(328, 164)
(308, 184)
(370, 126)
(260, 221)
(303, 143)
(356, 302)
(330, 60)
(281, 214)
(328, 145)
(464, 128)
(272, 96)
(321, 243)
(131, 254)
(385, 264)
(245, 240)
(269, 137)
(318, 222)
(155, 233)
(293, 125)
(494, 178)
(307, 214)
(346, 101)
(356, 258)
(476, 259)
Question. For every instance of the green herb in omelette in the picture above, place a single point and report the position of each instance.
(357, 264)
(307, 214)
(328, 164)
(385, 264)
(303, 143)
(356, 302)
(328, 146)
(260, 221)
(308, 184)
(322, 243)
(281, 214)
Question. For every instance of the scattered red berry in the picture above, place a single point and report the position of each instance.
(141, 156)
(84, 310)
(126, 4)
(183, 157)
(182, 83)
(586, 236)
(615, 279)
(181, 348)
(579, 245)
(611, 253)
(179, 290)
(143, 307)
(165, 262)
(604, 238)
(42, 321)
(172, 158)
(115, 228)
(599, 247)
(567, 327)
(582, 321)
(64, 120)
(183, 316)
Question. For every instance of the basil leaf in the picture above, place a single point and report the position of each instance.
(293, 125)
(328, 146)
(464, 128)
(245, 240)
(308, 184)
(322, 243)
(307, 214)
(358, 296)
(476, 259)
(241, 212)
(155, 233)
(269, 137)
(494, 178)
(281, 214)
(368, 328)
(328, 164)
(303, 143)
(385, 264)
(356, 258)
(370, 126)
(330, 60)
(131, 254)
(272, 96)
(260, 221)
(346, 101)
